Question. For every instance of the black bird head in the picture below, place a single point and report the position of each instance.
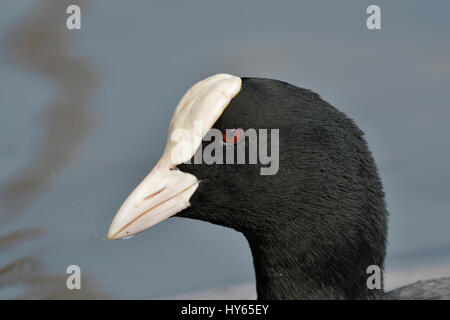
(240, 189)
(307, 195)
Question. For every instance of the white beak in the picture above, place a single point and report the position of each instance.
(163, 193)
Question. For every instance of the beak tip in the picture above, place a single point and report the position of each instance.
(112, 234)
(117, 233)
(110, 237)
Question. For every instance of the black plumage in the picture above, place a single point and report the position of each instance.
(316, 225)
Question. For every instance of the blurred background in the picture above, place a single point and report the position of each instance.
(78, 105)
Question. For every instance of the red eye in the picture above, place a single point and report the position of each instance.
(231, 136)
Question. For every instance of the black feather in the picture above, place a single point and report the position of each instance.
(316, 225)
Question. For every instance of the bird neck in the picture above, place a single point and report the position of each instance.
(286, 271)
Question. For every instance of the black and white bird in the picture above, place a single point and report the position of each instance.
(314, 227)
